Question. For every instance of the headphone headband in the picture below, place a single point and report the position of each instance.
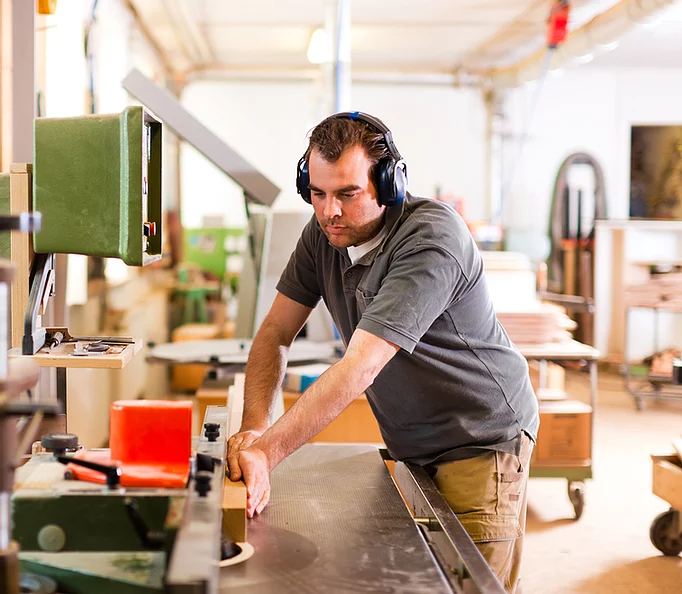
(391, 182)
(375, 123)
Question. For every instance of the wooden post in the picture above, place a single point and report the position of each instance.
(21, 247)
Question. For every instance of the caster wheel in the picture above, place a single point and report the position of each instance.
(661, 537)
(576, 496)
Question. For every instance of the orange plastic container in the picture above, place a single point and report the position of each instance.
(156, 431)
(151, 442)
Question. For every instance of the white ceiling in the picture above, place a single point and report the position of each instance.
(420, 36)
(657, 44)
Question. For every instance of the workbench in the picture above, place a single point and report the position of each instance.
(558, 352)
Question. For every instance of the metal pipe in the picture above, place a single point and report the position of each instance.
(5, 509)
(342, 79)
(23, 80)
(8, 430)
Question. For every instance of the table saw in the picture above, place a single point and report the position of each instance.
(337, 523)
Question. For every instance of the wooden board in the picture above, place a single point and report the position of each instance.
(234, 510)
(21, 247)
(60, 356)
(541, 323)
(356, 424)
(559, 351)
(234, 493)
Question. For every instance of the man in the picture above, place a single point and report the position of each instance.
(403, 280)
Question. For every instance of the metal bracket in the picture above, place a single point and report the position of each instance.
(42, 285)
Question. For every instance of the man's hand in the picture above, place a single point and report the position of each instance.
(236, 443)
(256, 471)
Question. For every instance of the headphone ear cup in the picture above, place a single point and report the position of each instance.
(384, 181)
(391, 181)
(303, 180)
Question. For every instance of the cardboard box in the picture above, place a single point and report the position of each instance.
(667, 479)
(356, 424)
(565, 435)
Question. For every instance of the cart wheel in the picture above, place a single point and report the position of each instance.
(660, 534)
(639, 403)
(576, 497)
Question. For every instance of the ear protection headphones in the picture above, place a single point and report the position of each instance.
(391, 171)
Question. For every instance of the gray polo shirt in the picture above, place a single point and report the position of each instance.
(457, 387)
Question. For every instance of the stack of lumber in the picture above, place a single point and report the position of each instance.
(662, 291)
(539, 324)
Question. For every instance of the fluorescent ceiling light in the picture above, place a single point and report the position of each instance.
(651, 22)
(584, 59)
(609, 47)
(320, 47)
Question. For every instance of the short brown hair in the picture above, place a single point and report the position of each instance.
(334, 135)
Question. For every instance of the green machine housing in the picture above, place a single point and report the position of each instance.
(97, 183)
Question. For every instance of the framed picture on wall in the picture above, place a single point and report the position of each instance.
(656, 172)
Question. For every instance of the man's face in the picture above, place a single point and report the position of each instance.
(344, 198)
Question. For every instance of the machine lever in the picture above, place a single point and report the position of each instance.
(151, 541)
(113, 473)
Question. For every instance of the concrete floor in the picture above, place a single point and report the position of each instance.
(608, 549)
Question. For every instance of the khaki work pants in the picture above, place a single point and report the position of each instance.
(488, 494)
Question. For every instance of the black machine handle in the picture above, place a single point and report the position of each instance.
(152, 541)
(113, 473)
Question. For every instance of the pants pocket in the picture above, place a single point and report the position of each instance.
(511, 482)
(481, 494)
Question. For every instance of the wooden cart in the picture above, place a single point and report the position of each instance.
(575, 473)
(666, 529)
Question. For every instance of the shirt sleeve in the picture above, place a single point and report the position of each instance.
(421, 283)
(299, 279)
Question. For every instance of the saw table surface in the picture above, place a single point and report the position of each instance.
(335, 523)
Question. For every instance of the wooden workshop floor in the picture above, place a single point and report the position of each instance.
(608, 550)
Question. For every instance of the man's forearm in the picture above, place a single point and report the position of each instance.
(320, 404)
(264, 375)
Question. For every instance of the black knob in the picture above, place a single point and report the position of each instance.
(202, 482)
(59, 442)
(212, 431)
(206, 462)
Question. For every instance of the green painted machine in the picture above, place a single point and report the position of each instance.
(97, 183)
(88, 537)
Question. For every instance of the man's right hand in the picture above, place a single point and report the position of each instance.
(236, 443)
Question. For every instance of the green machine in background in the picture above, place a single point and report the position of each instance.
(97, 183)
(96, 180)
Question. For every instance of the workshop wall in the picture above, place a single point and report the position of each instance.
(440, 131)
(585, 109)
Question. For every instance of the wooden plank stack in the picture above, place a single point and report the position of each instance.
(540, 324)
(660, 292)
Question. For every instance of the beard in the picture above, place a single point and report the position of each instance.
(342, 235)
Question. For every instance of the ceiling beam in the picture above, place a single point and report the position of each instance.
(151, 39)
